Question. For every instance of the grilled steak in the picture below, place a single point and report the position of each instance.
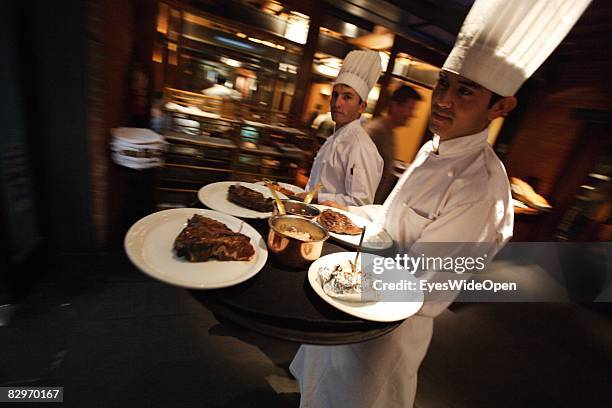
(204, 238)
(339, 223)
(245, 197)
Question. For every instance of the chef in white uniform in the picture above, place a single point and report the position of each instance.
(348, 164)
(456, 191)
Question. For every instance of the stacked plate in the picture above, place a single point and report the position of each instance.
(137, 148)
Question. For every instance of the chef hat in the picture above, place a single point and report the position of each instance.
(502, 43)
(360, 70)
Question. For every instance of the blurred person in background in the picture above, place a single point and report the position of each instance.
(220, 90)
(159, 119)
(381, 129)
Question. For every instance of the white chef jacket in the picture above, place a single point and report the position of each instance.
(456, 191)
(222, 91)
(348, 166)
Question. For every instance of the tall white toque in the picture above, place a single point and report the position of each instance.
(503, 42)
(360, 70)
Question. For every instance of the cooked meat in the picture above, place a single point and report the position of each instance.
(245, 197)
(205, 238)
(282, 189)
(339, 223)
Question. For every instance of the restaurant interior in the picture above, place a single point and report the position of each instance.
(239, 91)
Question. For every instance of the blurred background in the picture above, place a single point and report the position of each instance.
(240, 90)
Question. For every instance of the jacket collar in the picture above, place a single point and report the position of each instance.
(348, 126)
(459, 145)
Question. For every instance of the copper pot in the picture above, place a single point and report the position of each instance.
(290, 250)
(293, 207)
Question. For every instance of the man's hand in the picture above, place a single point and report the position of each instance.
(335, 205)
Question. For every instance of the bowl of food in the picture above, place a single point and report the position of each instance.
(295, 241)
(293, 207)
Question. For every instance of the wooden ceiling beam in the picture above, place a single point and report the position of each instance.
(419, 51)
(445, 14)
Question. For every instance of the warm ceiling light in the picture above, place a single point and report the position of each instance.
(327, 70)
(300, 15)
(241, 35)
(350, 30)
(231, 62)
(599, 176)
(158, 56)
(297, 31)
(292, 69)
(332, 62)
(162, 19)
(384, 60)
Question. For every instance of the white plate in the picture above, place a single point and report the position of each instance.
(374, 311)
(376, 238)
(214, 196)
(149, 245)
(295, 189)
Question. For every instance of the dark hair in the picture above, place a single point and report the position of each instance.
(494, 99)
(404, 93)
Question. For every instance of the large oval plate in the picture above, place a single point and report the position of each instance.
(214, 196)
(374, 311)
(149, 245)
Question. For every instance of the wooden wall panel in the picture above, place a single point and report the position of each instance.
(550, 136)
(541, 145)
(109, 53)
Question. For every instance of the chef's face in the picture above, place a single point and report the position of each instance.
(345, 105)
(459, 107)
